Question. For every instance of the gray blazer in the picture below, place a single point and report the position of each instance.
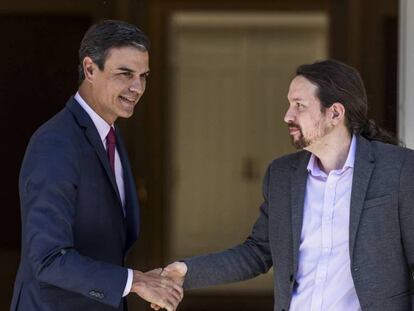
(381, 230)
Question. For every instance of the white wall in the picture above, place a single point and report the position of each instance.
(406, 73)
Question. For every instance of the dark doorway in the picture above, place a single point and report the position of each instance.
(38, 73)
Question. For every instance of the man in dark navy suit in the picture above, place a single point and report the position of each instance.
(79, 208)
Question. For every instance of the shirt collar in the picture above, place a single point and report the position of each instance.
(100, 124)
(315, 170)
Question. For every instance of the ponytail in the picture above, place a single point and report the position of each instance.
(371, 131)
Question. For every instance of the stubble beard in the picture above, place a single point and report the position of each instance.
(303, 142)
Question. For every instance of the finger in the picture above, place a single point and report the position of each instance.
(179, 295)
(166, 299)
(155, 307)
(175, 295)
(168, 306)
(170, 298)
(173, 304)
(171, 283)
(177, 288)
(172, 288)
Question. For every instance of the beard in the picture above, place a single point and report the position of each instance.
(302, 142)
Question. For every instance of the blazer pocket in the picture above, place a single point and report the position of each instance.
(379, 201)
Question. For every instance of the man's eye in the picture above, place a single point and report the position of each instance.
(127, 74)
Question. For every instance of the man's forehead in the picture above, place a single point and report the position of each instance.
(127, 60)
(126, 53)
(301, 87)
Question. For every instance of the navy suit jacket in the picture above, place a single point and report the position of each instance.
(381, 230)
(74, 234)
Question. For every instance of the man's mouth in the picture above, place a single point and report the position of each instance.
(128, 100)
(293, 130)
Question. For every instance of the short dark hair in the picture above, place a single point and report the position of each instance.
(107, 34)
(340, 83)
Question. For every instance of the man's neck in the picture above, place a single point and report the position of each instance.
(332, 150)
(87, 95)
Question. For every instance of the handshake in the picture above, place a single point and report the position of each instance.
(163, 288)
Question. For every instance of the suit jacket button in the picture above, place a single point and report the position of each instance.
(96, 294)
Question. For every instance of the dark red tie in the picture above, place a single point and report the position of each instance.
(110, 148)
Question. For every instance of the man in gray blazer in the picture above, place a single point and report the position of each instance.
(337, 221)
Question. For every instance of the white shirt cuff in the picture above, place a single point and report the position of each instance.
(128, 283)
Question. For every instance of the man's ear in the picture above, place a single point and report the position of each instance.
(89, 68)
(337, 112)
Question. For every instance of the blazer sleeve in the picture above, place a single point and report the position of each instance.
(241, 262)
(48, 192)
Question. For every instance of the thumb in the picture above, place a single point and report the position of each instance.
(177, 267)
(156, 271)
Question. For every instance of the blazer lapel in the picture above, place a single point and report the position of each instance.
(93, 136)
(298, 179)
(363, 167)
(131, 200)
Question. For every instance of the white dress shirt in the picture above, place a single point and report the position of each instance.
(324, 280)
(103, 130)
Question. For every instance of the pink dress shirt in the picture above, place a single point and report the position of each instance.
(324, 280)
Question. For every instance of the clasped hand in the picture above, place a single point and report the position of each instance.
(161, 287)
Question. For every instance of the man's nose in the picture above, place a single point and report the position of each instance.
(289, 116)
(138, 86)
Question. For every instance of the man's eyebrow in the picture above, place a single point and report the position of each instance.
(295, 99)
(131, 70)
(122, 68)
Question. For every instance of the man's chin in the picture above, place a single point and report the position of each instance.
(296, 143)
(299, 143)
(127, 113)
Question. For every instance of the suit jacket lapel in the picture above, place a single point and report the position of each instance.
(93, 136)
(363, 167)
(298, 179)
(131, 200)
